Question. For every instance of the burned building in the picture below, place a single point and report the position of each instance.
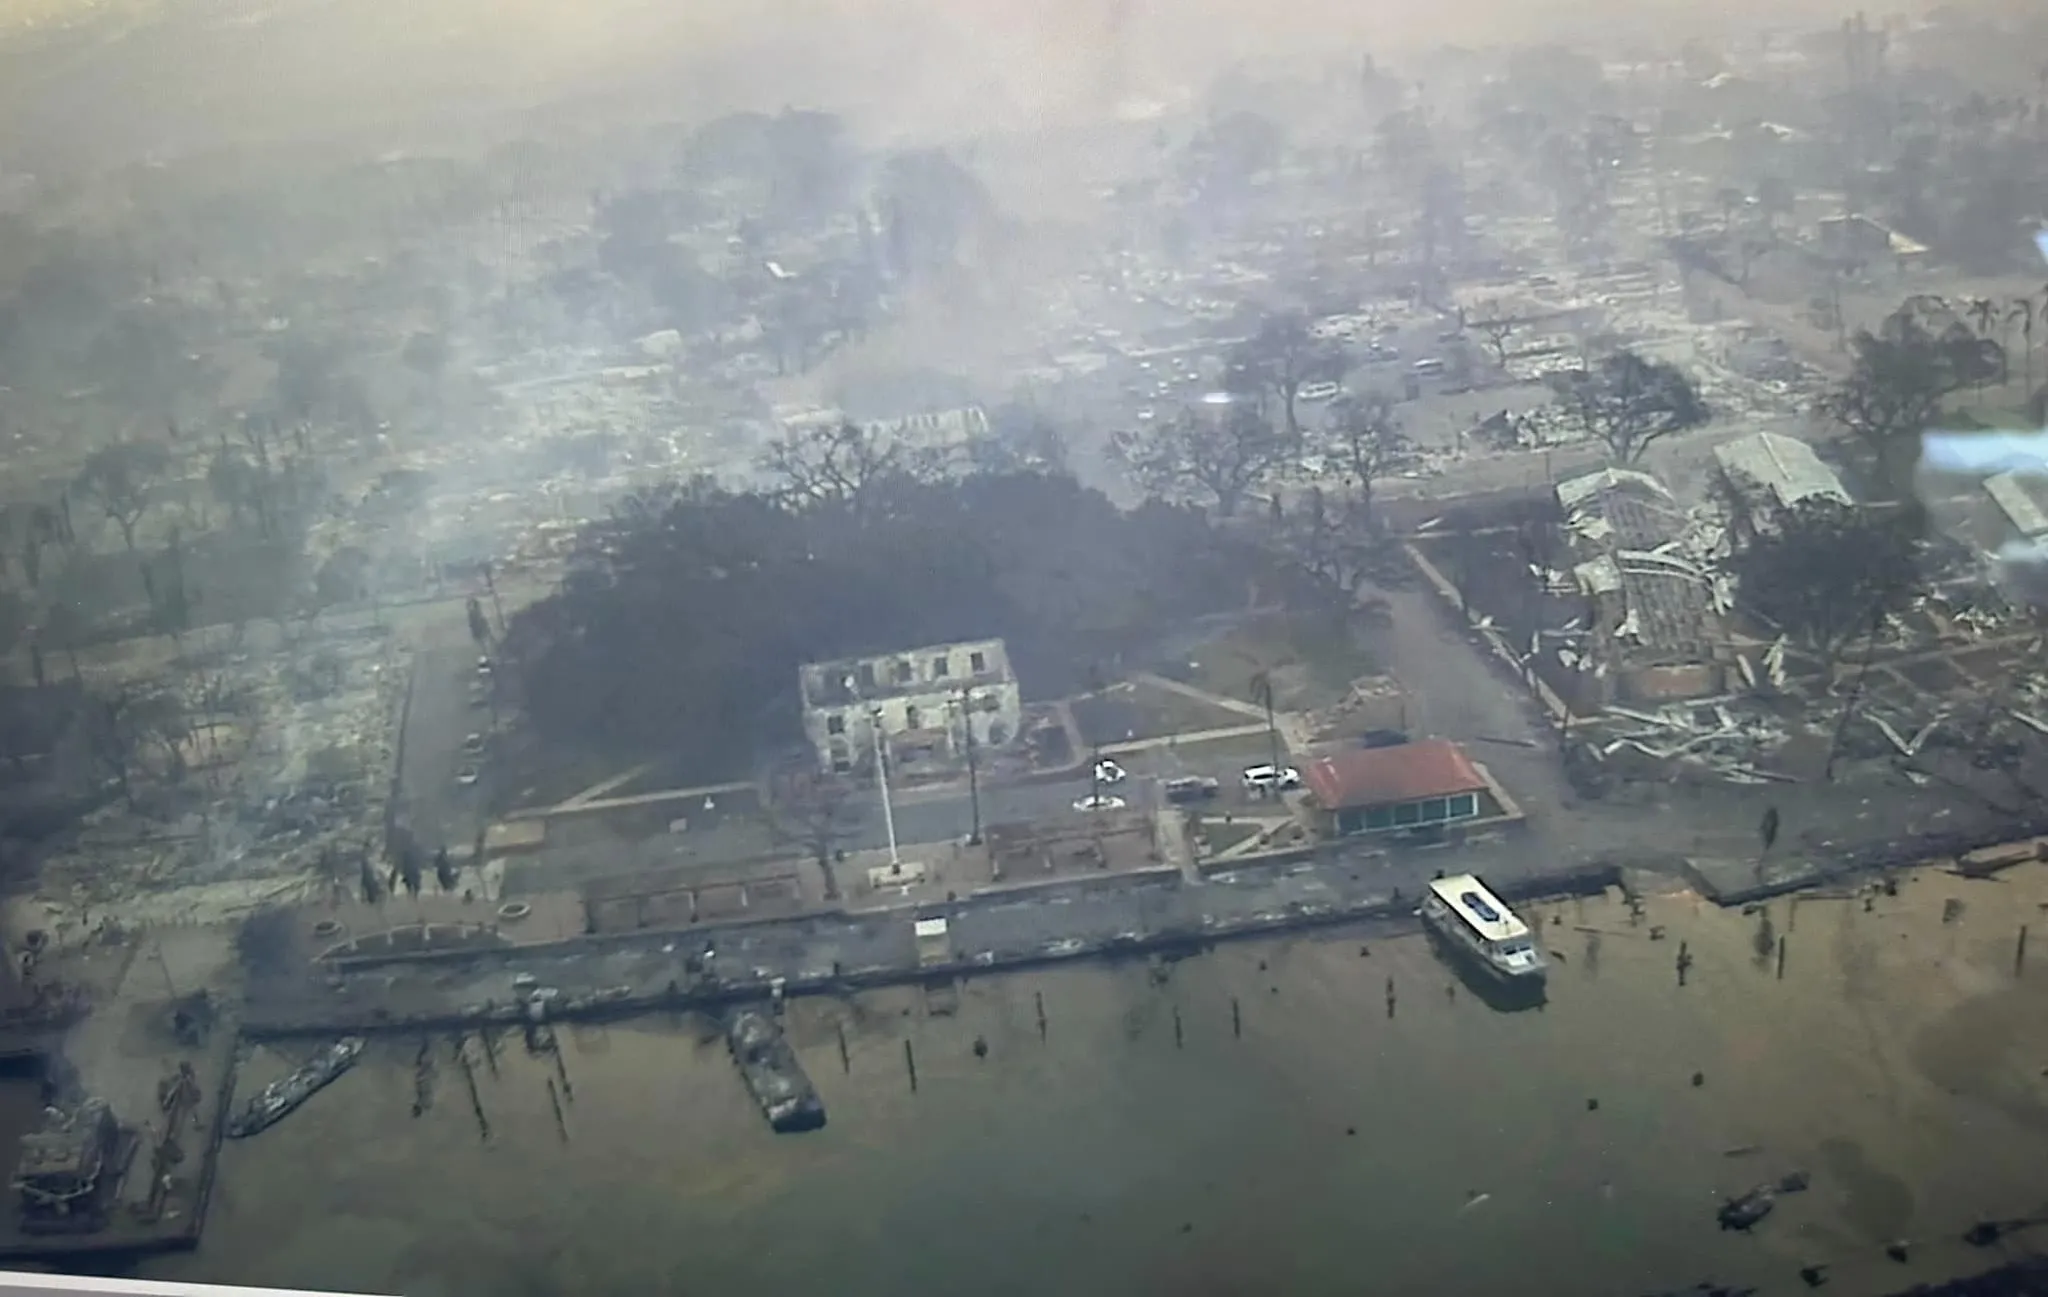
(52, 742)
(1654, 618)
(71, 1168)
(1768, 474)
(922, 706)
(945, 442)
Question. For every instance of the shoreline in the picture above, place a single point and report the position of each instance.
(845, 951)
(681, 991)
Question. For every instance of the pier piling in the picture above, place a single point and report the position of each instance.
(555, 1102)
(1684, 961)
(845, 1060)
(910, 1065)
(562, 1071)
(1039, 998)
(1781, 959)
(1178, 1037)
(490, 1049)
(476, 1102)
(423, 1078)
(2019, 952)
(1390, 997)
(1236, 1020)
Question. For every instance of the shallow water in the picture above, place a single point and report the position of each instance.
(1449, 1148)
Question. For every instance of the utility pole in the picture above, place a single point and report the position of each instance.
(973, 771)
(1855, 693)
(1262, 688)
(491, 586)
(882, 780)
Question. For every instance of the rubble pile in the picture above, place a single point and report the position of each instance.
(1725, 739)
(1372, 702)
(309, 789)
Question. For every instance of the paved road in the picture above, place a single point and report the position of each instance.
(439, 809)
(943, 815)
(993, 929)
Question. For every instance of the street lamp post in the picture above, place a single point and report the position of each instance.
(1262, 684)
(882, 779)
(966, 705)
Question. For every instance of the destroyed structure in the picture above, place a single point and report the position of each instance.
(1653, 606)
(71, 1168)
(937, 443)
(1769, 473)
(2018, 512)
(923, 706)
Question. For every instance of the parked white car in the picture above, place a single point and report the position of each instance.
(1314, 392)
(1266, 778)
(1109, 772)
(1100, 802)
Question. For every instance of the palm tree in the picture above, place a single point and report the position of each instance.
(1983, 312)
(2023, 311)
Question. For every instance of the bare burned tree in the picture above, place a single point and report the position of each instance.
(119, 479)
(815, 813)
(1282, 358)
(1825, 570)
(1903, 373)
(1371, 443)
(1330, 545)
(1496, 326)
(1221, 455)
(1630, 402)
(839, 463)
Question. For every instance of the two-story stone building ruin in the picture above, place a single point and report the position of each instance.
(923, 703)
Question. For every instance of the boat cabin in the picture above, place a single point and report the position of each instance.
(1463, 910)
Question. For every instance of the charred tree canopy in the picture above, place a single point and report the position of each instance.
(1629, 402)
(1915, 360)
(1825, 572)
(686, 615)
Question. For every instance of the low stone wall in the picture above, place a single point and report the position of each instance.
(1397, 914)
(1743, 882)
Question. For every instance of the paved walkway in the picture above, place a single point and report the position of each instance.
(583, 803)
(1238, 705)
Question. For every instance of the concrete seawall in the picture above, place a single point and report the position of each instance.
(670, 986)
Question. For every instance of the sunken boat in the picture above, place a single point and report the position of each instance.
(282, 1097)
(773, 1075)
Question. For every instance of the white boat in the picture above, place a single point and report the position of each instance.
(1479, 925)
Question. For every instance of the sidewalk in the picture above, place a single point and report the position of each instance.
(1237, 705)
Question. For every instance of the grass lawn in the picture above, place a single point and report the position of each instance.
(1222, 837)
(1204, 756)
(1136, 711)
(1312, 660)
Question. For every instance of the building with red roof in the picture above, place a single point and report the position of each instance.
(1408, 786)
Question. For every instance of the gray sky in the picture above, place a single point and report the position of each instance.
(182, 75)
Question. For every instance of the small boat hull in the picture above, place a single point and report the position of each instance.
(281, 1098)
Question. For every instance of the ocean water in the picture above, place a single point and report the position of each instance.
(1331, 1147)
